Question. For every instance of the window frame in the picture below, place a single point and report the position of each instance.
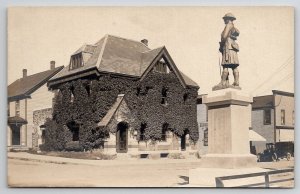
(17, 108)
(205, 137)
(265, 117)
(282, 116)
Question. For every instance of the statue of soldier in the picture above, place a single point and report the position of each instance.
(229, 49)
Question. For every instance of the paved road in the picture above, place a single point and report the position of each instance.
(118, 173)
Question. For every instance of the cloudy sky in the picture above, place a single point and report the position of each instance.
(191, 34)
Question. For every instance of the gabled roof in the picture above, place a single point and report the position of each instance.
(23, 87)
(111, 112)
(120, 56)
(263, 102)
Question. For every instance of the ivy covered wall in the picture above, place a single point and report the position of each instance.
(158, 100)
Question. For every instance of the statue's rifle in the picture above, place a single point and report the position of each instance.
(220, 67)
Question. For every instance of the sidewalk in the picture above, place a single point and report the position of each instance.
(60, 160)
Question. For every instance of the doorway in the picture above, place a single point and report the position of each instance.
(16, 135)
(183, 140)
(122, 137)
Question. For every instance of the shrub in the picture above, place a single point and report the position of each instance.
(73, 146)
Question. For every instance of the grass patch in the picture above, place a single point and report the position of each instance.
(95, 155)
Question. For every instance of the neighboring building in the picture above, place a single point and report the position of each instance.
(273, 118)
(134, 93)
(29, 104)
(203, 125)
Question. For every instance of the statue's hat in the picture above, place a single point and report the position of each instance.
(229, 16)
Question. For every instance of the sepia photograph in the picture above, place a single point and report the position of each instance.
(151, 97)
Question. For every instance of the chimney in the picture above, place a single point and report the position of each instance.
(145, 42)
(52, 65)
(24, 73)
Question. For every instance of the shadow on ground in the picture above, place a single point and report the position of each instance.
(185, 179)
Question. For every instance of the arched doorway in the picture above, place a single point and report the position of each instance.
(122, 137)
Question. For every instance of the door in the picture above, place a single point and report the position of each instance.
(122, 138)
(16, 135)
(183, 140)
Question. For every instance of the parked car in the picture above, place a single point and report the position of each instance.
(273, 153)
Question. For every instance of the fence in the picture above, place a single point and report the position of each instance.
(219, 180)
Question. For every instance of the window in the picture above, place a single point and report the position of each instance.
(185, 97)
(293, 117)
(17, 108)
(43, 135)
(267, 117)
(74, 128)
(72, 94)
(205, 137)
(8, 110)
(161, 67)
(164, 132)
(76, 61)
(138, 91)
(282, 117)
(164, 96)
(88, 89)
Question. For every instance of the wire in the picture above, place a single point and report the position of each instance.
(287, 62)
(290, 75)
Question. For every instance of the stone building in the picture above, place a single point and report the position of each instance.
(141, 109)
(29, 104)
(273, 118)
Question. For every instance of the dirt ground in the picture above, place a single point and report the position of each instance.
(139, 173)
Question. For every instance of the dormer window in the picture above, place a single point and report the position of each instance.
(76, 61)
(161, 66)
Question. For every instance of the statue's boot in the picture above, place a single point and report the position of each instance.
(224, 81)
(236, 78)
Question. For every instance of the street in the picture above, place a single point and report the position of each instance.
(115, 173)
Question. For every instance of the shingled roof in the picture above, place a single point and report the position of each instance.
(117, 55)
(23, 87)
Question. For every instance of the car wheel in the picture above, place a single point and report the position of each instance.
(288, 156)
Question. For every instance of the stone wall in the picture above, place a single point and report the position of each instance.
(39, 119)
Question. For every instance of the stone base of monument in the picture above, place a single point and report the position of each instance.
(229, 119)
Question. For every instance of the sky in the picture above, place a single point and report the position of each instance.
(37, 35)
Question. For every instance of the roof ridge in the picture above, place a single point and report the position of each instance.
(39, 73)
(161, 47)
(129, 40)
(101, 51)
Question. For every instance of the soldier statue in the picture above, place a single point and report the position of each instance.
(229, 49)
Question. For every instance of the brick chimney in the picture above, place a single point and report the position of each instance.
(145, 42)
(52, 65)
(24, 73)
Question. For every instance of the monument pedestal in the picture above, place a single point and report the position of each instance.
(229, 119)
